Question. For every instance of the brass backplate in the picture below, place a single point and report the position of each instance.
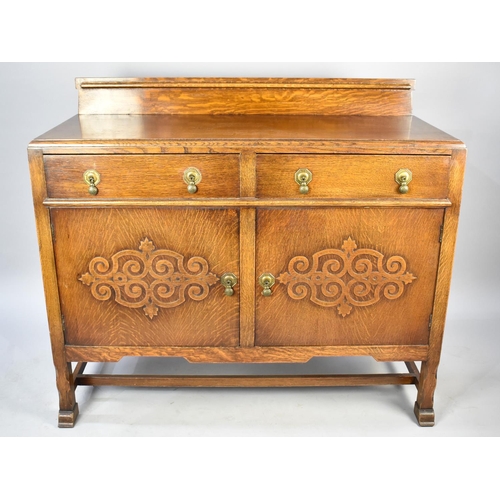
(303, 176)
(192, 176)
(94, 174)
(403, 176)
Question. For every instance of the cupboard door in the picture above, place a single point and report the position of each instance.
(346, 276)
(147, 276)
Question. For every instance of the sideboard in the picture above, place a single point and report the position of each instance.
(246, 221)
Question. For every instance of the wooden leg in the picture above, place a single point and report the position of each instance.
(64, 378)
(67, 418)
(425, 416)
(68, 407)
(424, 406)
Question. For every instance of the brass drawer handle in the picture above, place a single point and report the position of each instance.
(228, 281)
(92, 178)
(403, 178)
(266, 281)
(192, 177)
(303, 177)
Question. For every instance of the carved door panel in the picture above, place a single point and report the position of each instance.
(347, 276)
(147, 276)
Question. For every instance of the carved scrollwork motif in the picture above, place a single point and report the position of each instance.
(148, 278)
(346, 278)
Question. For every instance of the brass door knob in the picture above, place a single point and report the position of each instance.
(266, 281)
(192, 177)
(303, 177)
(92, 178)
(228, 281)
(403, 178)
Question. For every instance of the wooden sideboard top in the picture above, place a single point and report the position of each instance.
(379, 83)
(162, 115)
(240, 129)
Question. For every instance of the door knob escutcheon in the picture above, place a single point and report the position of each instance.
(192, 177)
(92, 178)
(228, 281)
(303, 177)
(266, 281)
(403, 178)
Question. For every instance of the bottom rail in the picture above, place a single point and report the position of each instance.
(247, 380)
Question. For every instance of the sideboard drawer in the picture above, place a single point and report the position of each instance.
(352, 176)
(142, 176)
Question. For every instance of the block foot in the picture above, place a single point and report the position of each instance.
(425, 416)
(67, 418)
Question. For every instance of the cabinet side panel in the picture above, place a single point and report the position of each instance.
(64, 379)
(450, 227)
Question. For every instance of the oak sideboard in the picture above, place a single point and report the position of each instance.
(233, 220)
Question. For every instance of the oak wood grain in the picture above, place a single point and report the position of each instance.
(247, 380)
(235, 147)
(234, 202)
(297, 354)
(164, 132)
(352, 176)
(64, 375)
(413, 369)
(428, 380)
(247, 274)
(378, 83)
(248, 174)
(81, 235)
(285, 234)
(147, 176)
(325, 97)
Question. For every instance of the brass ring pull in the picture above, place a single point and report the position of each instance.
(403, 178)
(192, 177)
(92, 178)
(266, 281)
(303, 177)
(228, 281)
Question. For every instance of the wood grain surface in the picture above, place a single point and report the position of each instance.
(64, 376)
(294, 354)
(355, 380)
(425, 399)
(248, 202)
(159, 82)
(245, 96)
(285, 234)
(240, 131)
(145, 176)
(80, 235)
(352, 176)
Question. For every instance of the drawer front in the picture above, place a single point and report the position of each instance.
(142, 176)
(352, 176)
